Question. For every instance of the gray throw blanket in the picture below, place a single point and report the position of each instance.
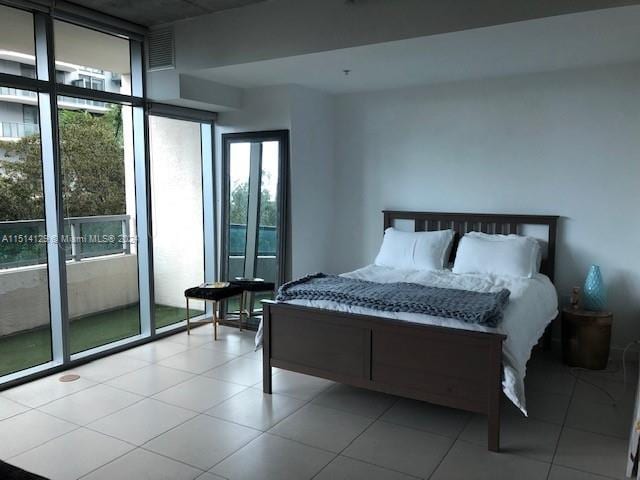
(481, 308)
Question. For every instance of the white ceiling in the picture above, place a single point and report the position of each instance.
(568, 41)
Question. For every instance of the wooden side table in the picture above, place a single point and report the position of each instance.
(586, 337)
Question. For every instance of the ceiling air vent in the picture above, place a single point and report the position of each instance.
(161, 49)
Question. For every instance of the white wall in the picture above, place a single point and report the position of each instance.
(564, 143)
(308, 115)
(312, 180)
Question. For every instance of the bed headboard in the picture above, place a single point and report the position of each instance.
(462, 223)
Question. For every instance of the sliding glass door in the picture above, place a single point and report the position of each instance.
(254, 168)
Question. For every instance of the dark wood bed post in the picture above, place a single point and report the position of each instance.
(495, 392)
(266, 348)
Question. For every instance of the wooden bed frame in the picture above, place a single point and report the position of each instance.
(445, 366)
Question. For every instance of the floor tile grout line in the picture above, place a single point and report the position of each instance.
(266, 432)
(373, 421)
(97, 419)
(342, 455)
(562, 427)
(430, 432)
(608, 435)
(76, 427)
(127, 391)
(97, 384)
(28, 409)
(300, 442)
(501, 452)
(123, 353)
(194, 373)
(135, 446)
(108, 357)
(469, 420)
(93, 384)
(155, 393)
(105, 464)
(607, 477)
(146, 449)
(203, 412)
(133, 450)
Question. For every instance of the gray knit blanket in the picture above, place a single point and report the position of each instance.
(483, 308)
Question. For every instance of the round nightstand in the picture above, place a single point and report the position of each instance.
(585, 338)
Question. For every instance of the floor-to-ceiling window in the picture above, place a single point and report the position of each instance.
(73, 263)
(254, 165)
(25, 322)
(98, 202)
(101, 228)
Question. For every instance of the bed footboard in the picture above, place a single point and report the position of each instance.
(446, 366)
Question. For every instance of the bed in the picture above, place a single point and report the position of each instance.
(400, 354)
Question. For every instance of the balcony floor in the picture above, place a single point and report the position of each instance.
(24, 350)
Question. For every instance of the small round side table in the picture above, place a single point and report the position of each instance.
(586, 337)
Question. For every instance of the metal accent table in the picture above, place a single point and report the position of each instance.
(213, 295)
(216, 294)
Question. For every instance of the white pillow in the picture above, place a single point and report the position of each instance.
(511, 255)
(415, 250)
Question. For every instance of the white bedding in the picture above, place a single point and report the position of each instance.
(533, 303)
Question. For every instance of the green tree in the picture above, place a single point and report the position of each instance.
(21, 190)
(92, 164)
(92, 153)
(240, 202)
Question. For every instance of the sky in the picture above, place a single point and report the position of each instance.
(240, 153)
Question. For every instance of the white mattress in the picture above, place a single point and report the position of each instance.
(533, 303)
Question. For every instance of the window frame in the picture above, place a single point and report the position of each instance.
(48, 89)
(281, 136)
(46, 86)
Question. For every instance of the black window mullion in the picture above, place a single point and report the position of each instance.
(24, 83)
(98, 95)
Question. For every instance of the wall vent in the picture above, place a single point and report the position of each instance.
(161, 49)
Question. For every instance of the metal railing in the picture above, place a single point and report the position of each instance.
(64, 100)
(267, 239)
(16, 92)
(24, 241)
(18, 130)
(81, 102)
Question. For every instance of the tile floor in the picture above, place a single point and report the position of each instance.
(188, 407)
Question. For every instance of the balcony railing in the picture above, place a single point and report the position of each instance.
(73, 102)
(67, 102)
(16, 92)
(18, 130)
(24, 241)
(267, 239)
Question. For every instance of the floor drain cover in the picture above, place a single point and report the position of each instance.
(71, 377)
